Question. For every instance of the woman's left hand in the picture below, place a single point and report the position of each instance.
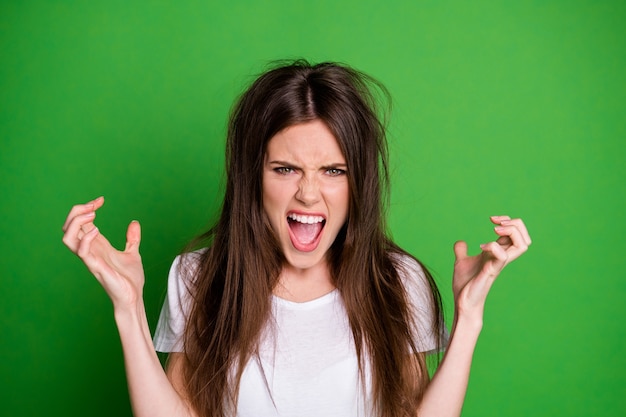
(474, 275)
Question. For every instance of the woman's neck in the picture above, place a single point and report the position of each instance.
(302, 285)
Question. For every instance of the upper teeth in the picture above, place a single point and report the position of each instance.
(306, 219)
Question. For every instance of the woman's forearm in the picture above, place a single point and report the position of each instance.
(446, 392)
(151, 393)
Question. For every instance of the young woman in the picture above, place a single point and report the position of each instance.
(300, 305)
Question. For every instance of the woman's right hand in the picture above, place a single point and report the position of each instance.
(119, 272)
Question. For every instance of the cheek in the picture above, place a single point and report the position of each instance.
(340, 198)
(274, 201)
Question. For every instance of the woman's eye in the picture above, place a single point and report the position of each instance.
(283, 170)
(335, 172)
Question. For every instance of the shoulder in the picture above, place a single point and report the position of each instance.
(184, 270)
(405, 263)
(415, 279)
(168, 336)
(422, 295)
(188, 263)
(409, 269)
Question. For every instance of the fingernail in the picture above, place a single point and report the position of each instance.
(498, 228)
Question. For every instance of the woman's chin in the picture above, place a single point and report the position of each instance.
(304, 259)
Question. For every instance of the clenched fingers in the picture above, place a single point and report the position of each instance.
(519, 224)
(498, 254)
(77, 228)
(514, 236)
(84, 245)
(79, 222)
(79, 209)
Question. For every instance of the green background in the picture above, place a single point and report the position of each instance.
(499, 107)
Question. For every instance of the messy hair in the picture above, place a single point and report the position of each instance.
(235, 276)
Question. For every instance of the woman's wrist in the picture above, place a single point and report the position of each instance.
(129, 312)
(472, 323)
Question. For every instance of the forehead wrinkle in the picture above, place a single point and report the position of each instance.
(309, 146)
(303, 151)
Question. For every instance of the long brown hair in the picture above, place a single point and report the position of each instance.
(235, 276)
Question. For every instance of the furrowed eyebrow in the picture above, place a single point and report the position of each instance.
(339, 165)
(336, 166)
(283, 163)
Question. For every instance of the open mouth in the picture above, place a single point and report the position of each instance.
(305, 230)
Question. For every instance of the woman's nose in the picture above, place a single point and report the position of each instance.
(308, 191)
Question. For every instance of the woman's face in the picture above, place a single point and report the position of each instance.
(305, 191)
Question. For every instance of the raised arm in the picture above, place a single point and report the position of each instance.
(473, 278)
(121, 275)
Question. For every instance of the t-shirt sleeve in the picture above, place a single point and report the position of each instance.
(168, 336)
(421, 304)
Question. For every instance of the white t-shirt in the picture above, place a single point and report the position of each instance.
(307, 364)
